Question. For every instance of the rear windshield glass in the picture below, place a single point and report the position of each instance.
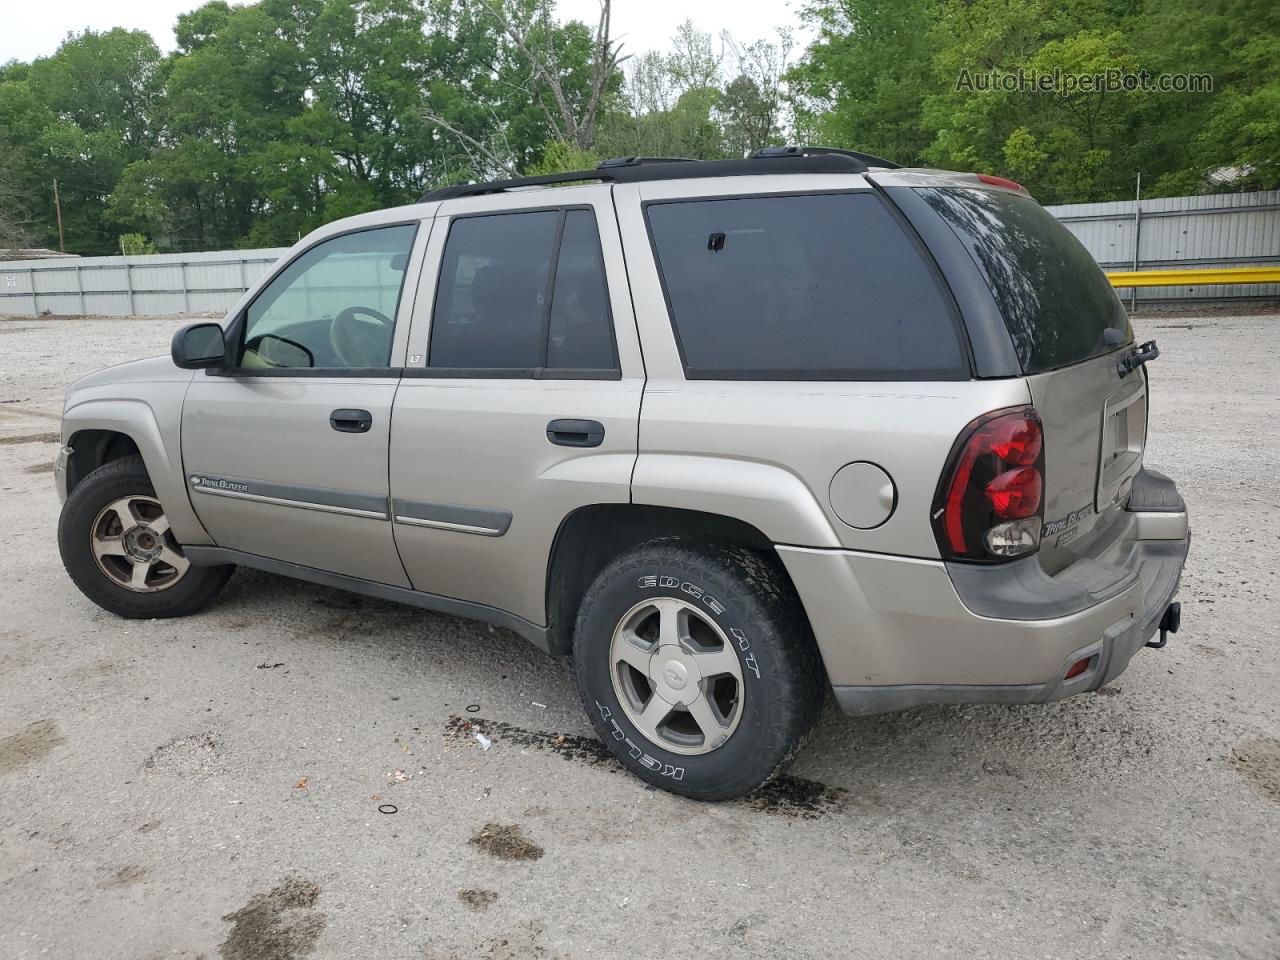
(819, 287)
(1056, 301)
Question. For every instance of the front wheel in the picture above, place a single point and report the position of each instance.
(697, 667)
(118, 549)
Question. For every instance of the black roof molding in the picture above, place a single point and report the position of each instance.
(871, 160)
(791, 160)
(636, 161)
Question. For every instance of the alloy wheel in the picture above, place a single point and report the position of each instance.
(134, 547)
(676, 675)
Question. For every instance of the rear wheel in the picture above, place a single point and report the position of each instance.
(118, 548)
(697, 667)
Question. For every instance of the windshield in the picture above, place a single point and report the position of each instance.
(1055, 300)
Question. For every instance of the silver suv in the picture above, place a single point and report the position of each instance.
(727, 433)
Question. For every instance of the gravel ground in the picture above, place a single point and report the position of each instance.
(210, 787)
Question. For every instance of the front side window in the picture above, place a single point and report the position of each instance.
(332, 307)
(524, 293)
(813, 287)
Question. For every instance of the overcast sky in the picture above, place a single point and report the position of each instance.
(34, 28)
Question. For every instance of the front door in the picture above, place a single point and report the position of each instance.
(521, 394)
(286, 454)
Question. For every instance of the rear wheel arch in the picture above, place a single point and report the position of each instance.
(590, 537)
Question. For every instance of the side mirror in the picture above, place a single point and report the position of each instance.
(198, 346)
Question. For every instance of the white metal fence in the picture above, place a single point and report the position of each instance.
(157, 285)
(1173, 233)
(1219, 230)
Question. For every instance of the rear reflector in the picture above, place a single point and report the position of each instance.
(1079, 667)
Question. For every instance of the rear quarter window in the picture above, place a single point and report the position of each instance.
(812, 287)
(1056, 302)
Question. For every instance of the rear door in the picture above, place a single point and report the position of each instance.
(1069, 331)
(521, 394)
(286, 453)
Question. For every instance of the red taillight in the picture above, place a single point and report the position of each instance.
(1000, 181)
(1017, 440)
(990, 500)
(1015, 493)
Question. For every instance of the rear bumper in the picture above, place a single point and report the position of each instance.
(899, 632)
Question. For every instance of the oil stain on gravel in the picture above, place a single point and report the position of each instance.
(126, 876)
(39, 468)
(506, 842)
(783, 796)
(477, 899)
(29, 745)
(280, 925)
(1258, 761)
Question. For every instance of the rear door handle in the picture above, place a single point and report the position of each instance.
(576, 433)
(351, 421)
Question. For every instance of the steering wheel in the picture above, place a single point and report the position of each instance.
(358, 342)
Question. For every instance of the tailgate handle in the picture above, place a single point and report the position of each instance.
(1137, 357)
(351, 421)
(575, 433)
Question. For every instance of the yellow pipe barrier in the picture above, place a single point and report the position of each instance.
(1195, 278)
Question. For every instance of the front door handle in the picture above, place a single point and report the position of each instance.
(576, 433)
(351, 421)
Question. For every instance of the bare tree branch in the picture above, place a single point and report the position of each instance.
(541, 68)
(570, 126)
(490, 156)
(606, 62)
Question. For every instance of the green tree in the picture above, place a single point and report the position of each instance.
(863, 82)
(81, 116)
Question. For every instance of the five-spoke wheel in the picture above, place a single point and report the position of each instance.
(118, 546)
(697, 666)
(676, 676)
(131, 541)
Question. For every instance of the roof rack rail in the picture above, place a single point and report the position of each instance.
(770, 160)
(871, 160)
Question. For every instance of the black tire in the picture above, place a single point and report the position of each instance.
(110, 482)
(783, 682)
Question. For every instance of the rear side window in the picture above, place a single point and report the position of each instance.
(822, 287)
(525, 293)
(1057, 303)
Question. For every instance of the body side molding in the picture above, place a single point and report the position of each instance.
(324, 499)
(447, 516)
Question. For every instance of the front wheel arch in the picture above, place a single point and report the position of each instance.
(93, 448)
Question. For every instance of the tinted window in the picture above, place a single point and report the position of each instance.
(495, 308)
(493, 286)
(581, 324)
(1056, 301)
(802, 287)
(334, 306)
